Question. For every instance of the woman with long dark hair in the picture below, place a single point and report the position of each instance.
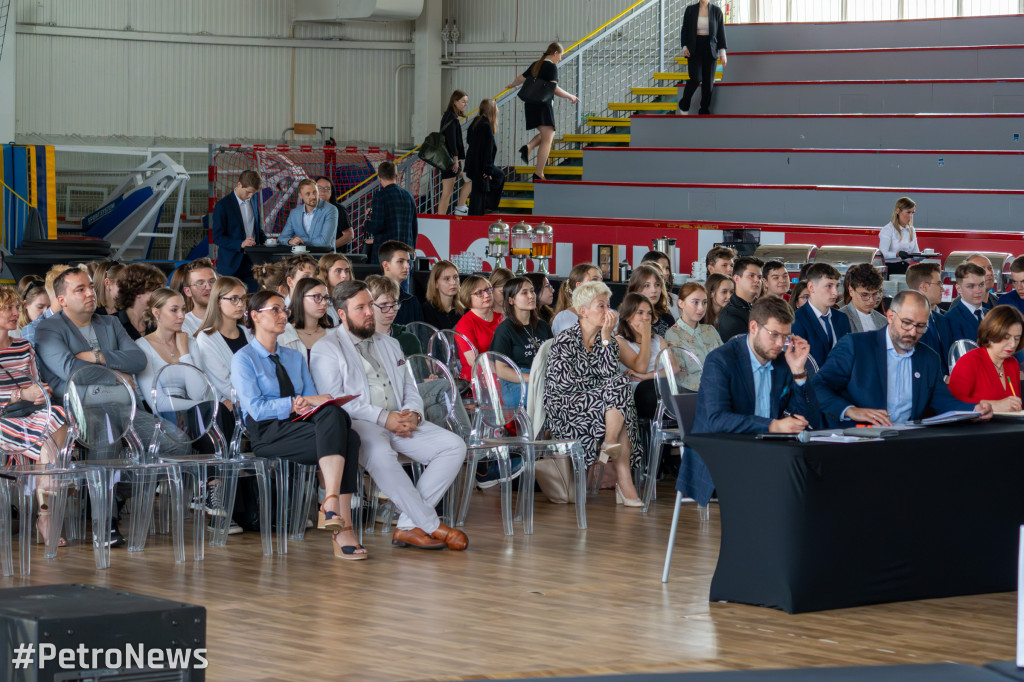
(488, 180)
(452, 132)
(325, 190)
(541, 115)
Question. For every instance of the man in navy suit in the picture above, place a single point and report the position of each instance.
(817, 321)
(754, 383)
(885, 377)
(927, 279)
(966, 314)
(236, 227)
(1016, 296)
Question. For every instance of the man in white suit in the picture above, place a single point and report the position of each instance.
(352, 359)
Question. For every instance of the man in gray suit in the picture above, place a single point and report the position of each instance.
(865, 292)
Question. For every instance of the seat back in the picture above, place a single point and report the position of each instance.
(422, 331)
(959, 349)
(441, 402)
(100, 406)
(24, 424)
(674, 367)
(444, 345)
(498, 404)
(186, 406)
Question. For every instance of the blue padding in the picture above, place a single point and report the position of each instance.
(102, 221)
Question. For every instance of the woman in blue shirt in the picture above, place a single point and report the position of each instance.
(274, 387)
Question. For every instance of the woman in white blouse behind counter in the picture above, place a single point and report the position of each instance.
(899, 234)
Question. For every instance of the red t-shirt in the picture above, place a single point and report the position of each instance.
(974, 378)
(480, 332)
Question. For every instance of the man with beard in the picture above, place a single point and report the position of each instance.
(313, 222)
(199, 279)
(352, 359)
(754, 383)
(884, 377)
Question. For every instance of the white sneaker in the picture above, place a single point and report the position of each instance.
(461, 210)
(233, 528)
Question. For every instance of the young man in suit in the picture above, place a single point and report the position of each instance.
(926, 278)
(735, 315)
(817, 321)
(755, 383)
(983, 262)
(312, 222)
(967, 312)
(1016, 296)
(865, 292)
(236, 227)
(352, 359)
(885, 377)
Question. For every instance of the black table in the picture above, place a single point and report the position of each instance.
(807, 527)
(260, 255)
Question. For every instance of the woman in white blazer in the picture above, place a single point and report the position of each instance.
(220, 336)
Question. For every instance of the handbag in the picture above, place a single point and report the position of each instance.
(20, 408)
(435, 152)
(555, 478)
(537, 90)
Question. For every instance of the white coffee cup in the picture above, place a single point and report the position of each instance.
(272, 241)
(299, 248)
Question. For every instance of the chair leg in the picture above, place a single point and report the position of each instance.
(25, 529)
(6, 550)
(261, 469)
(505, 472)
(176, 489)
(595, 474)
(526, 486)
(282, 471)
(672, 537)
(653, 462)
(199, 485)
(58, 507)
(579, 467)
(468, 483)
(141, 509)
(99, 494)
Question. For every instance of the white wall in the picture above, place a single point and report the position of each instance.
(7, 87)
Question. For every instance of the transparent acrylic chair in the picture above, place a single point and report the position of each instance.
(443, 407)
(101, 409)
(958, 349)
(24, 481)
(498, 407)
(422, 331)
(675, 369)
(444, 345)
(186, 409)
(295, 485)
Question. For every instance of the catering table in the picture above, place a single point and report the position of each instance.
(260, 255)
(807, 527)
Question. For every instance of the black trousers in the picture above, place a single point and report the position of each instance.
(328, 432)
(486, 194)
(645, 395)
(700, 66)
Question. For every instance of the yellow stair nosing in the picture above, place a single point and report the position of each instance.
(595, 137)
(516, 203)
(642, 106)
(566, 154)
(619, 123)
(519, 186)
(666, 76)
(552, 170)
(662, 90)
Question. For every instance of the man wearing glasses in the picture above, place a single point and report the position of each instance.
(735, 315)
(865, 292)
(754, 383)
(387, 413)
(883, 377)
(817, 321)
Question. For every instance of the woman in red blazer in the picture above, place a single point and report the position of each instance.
(990, 372)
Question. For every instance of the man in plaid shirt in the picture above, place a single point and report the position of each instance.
(393, 212)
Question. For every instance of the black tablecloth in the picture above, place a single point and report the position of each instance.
(930, 513)
(936, 672)
(1007, 669)
(262, 254)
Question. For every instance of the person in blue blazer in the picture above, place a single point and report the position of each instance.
(236, 227)
(754, 383)
(312, 222)
(966, 313)
(886, 377)
(927, 279)
(1015, 297)
(817, 321)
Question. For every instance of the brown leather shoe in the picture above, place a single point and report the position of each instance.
(455, 539)
(415, 537)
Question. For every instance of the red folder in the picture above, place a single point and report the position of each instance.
(333, 401)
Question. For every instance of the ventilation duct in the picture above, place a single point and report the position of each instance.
(358, 10)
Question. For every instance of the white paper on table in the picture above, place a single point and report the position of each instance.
(839, 438)
(1020, 601)
(950, 417)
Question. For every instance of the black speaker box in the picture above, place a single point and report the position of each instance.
(101, 634)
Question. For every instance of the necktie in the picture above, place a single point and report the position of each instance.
(827, 319)
(366, 350)
(763, 391)
(283, 381)
(247, 218)
(978, 314)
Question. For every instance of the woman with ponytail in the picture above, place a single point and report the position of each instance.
(541, 115)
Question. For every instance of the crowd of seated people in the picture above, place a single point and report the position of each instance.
(768, 356)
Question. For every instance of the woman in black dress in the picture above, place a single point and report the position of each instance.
(488, 180)
(538, 115)
(451, 128)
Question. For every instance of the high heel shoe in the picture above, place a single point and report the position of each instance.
(43, 520)
(537, 177)
(609, 452)
(625, 501)
(348, 552)
(524, 154)
(329, 520)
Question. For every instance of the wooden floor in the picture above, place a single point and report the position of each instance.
(557, 603)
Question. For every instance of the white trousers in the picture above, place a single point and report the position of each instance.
(440, 450)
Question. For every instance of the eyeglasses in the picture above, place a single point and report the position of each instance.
(321, 188)
(200, 283)
(387, 307)
(318, 298)
(484, 292)
(870, 295)
(274, 310)
(233, 300)
(907, 325)
(774, 336)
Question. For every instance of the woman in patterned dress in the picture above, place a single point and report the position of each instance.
(24, 438)
(586, 396)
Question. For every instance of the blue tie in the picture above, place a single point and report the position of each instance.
(763, 391)
(827, 318)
